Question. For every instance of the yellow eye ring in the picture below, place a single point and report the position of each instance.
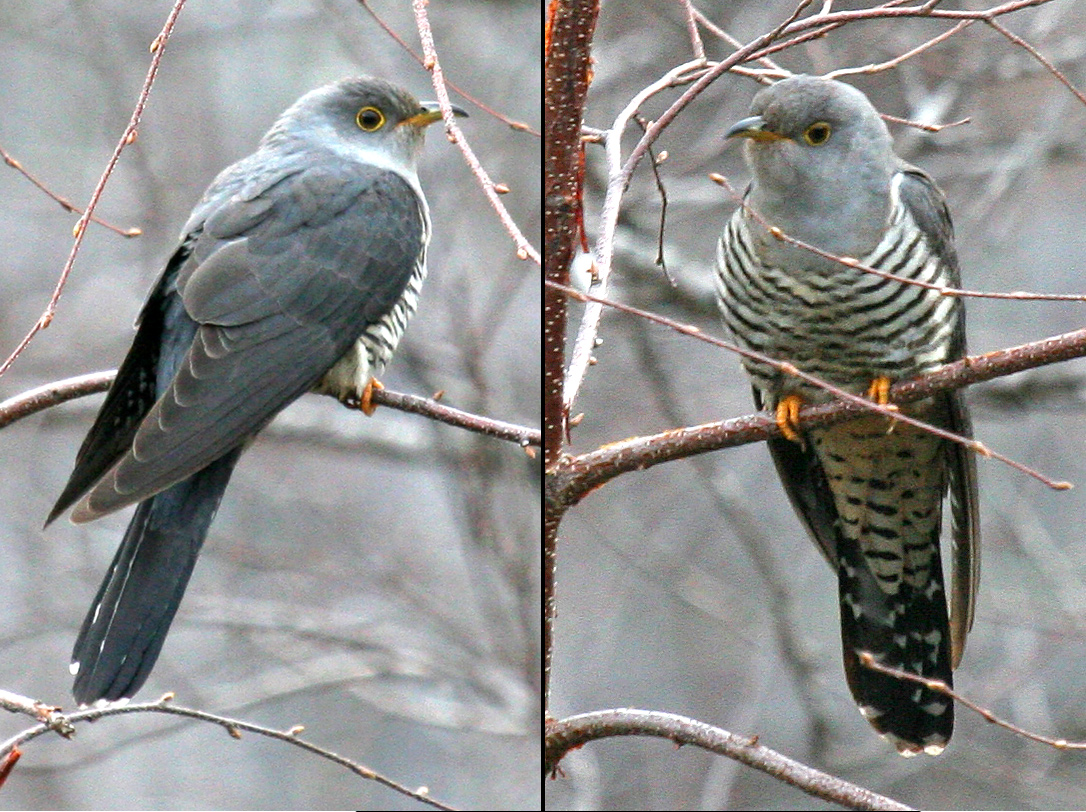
(818, 133)
(370, 119)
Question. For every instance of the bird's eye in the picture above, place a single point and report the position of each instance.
(370, 119)
(817, 134)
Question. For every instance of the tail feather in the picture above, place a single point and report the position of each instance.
(126, 626)
(906, 630)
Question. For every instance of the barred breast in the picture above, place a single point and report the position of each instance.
(831, 320)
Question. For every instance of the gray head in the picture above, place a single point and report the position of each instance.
(822, 161)
(362, 117)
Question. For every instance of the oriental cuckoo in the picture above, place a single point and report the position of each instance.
(869, 491)
(297, 271)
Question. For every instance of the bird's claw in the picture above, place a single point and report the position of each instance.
(365, 403)
(879, 390)
(788, 417)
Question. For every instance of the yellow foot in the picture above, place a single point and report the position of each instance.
(788, 417)
(366, 403)
(879, 390)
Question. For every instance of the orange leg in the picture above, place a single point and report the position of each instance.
(788, 417)
(879, 390)
(366, 403)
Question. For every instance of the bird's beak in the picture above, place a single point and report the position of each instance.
(431, 112)
(752, 127)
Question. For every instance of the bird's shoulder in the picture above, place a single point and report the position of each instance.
(311, 239)
(281, 191)
(926, 204)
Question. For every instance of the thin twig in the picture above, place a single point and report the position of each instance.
(232, 726)
(692, 28)
(525, 250)
(851, 262)
(919, 125)
(940, 687)
(158, 47)
(654, 164)
(765, 77)
(65, 204)
(513, 124)
(878, 67)
(1021, 43)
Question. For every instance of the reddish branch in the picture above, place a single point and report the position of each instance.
(941, 687)
(570, 27)
(567, 72)
(491, 190)
(65, 204)
(575, 476)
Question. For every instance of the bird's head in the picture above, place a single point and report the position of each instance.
(805, 131)
(362, 117)
(821, 158)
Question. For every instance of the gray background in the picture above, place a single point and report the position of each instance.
(661, 602)
(372, 579)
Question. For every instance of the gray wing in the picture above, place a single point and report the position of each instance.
(804, 481)
(965, 528)
(927, 205)
(282, 282)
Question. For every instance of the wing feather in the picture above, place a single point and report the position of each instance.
(276, 308)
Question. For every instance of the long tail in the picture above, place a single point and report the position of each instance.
(126, 626)
(907, 630)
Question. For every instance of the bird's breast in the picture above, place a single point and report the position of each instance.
(835, 321)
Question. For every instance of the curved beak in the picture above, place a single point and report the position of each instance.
(752, 127)
(431, 112)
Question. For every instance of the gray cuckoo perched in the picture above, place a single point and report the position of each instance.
(870, 491)
(297, 271)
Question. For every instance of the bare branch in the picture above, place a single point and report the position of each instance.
(931, 128)
(158, 47)
(878, 67)
(575, 731)
(692, 26)
(66, 722)
(513, 124)
(1021, 43)
(941, 687)
(65, 204)
(525, 249)
(576, 476)
(50, 394)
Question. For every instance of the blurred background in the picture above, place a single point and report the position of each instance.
(692, 587)
(373, 579)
